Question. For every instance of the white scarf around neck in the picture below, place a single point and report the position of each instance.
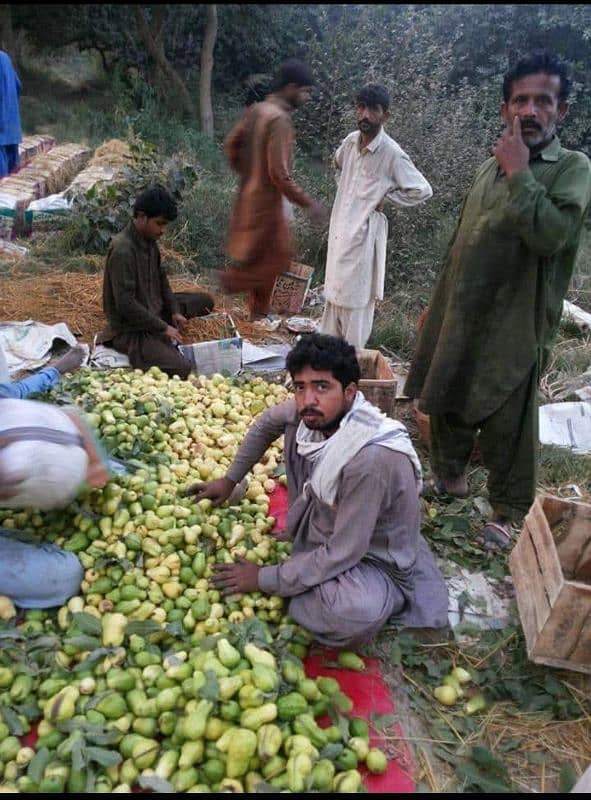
(362, 424)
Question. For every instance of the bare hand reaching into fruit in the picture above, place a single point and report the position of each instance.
(235, 578)
(217, 491)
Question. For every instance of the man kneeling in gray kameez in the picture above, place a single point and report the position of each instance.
(358, 559)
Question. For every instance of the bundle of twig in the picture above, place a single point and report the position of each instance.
(76, 299)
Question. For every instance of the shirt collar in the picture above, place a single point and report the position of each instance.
(375, 142)
(137, 237)
(552, 150)
(279, 101)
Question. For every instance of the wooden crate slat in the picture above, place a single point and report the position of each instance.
(545, 548)
(555, 612)
(575, 547)
(529, 588)
(521, 560)
(568, 629)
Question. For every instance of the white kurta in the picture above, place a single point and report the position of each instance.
(356, 258)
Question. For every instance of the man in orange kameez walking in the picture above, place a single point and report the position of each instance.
(260, 149)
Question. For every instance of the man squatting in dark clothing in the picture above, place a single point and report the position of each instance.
(145, 318)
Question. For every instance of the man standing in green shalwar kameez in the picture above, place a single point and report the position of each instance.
(497, 304)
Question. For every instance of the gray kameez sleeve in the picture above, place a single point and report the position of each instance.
(354, 526)
(261, 435)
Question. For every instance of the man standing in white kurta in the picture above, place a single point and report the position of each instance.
(371, 167)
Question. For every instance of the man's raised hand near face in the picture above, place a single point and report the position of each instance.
(511, 151)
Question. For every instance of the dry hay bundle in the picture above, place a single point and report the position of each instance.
(207, 329)
(76, 299)
(114, 153)
(89, 177)
(21, 190)
(32, 145)
(538, 739)
(73, 298)
(59, 166)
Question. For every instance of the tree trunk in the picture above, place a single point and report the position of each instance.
(156, 50)
(6, 33)
(206, 110)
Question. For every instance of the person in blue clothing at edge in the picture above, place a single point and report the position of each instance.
(10, 117)
(38, 575)
(43, 379)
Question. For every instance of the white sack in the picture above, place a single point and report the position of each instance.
(50, 474)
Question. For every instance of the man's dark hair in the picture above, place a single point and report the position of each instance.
(293, 71)
(532, 64)
(256, 87)
(374, 94)
(321, 352)
(156, 201)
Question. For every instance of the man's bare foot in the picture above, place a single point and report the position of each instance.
(70, 361)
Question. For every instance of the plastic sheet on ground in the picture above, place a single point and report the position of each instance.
(12, 249)
(107, 358)
(267, 357)
(27, 345)
(582, 319)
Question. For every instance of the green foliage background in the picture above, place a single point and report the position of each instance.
(443, 65)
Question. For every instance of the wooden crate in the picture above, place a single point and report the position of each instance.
(377, 383)
(554, 607)
(291, 288)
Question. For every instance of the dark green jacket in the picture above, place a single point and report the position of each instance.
(498, 300)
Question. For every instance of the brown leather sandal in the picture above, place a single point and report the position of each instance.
(436, 488)
(495, 536)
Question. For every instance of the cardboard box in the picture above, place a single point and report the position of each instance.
(553, 598)
(291, 288)
(378, 382)
(219, 355)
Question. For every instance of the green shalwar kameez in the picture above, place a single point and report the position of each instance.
(494, 311)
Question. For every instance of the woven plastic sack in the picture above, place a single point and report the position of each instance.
(41, 450)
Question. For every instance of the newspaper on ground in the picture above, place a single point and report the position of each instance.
(566, 425)
(221, 355)
(478, 600)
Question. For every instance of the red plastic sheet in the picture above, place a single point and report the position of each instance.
(370, 696)
(368, 691)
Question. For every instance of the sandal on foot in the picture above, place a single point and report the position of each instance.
(436, 488)
(495, 536)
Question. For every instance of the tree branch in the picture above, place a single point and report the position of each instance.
(209, 38)
(156, 51)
